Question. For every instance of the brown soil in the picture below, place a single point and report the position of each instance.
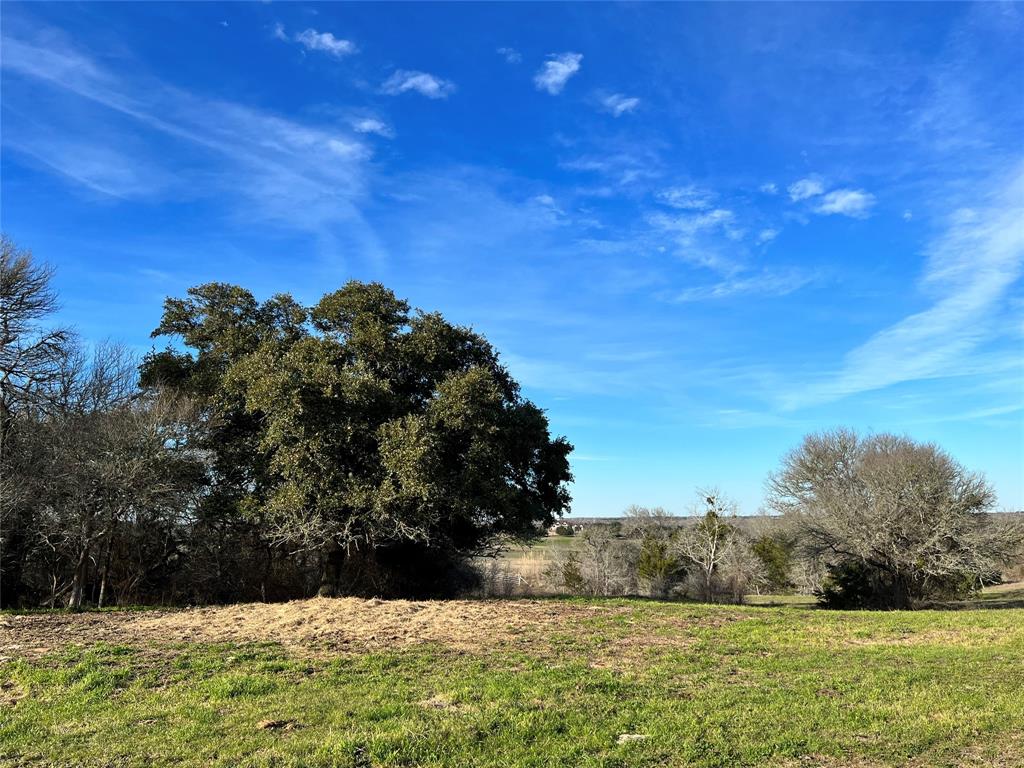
(333, 625)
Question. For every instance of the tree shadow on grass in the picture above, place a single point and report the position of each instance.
(981, 604)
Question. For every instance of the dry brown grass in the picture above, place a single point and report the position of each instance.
(344, 625)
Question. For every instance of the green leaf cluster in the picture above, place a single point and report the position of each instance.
(358, 424)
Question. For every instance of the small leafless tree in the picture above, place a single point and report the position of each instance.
(709, 543)
(741, 571)
(809, 574)
(606, 561)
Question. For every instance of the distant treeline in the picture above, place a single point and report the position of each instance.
(741, 520)
(358, 446)
(722, 558)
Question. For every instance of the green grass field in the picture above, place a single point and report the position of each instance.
(597, 683)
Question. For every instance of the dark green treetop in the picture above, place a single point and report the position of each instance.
(358, 424)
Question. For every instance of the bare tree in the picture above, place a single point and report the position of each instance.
(606, 561)
(30, 355)
(102, 491)
(809, 574)
(31, 358)
(640, 520)
(742, 572)
(113, 453)
(902, 516)
(709, 543)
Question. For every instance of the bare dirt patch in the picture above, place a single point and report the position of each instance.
(334, 625)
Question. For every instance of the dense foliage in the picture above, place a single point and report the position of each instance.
(390, 444)
(355, 446)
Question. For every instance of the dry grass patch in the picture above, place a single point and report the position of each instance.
(353, 625)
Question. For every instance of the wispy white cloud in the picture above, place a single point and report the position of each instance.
(805, 188)
(511, 55)
(105, 170)
(690, 197)
(769, 188)
(624, 168)
(696, 238)
(970, 268)
(325, 42)
(549, 204)
(991, 414)
(855, 203)
(301, 175)
(691, 224)
(373, 125)
(618, 105)
(767, 235)
(764, 283)
(311, 40)
(423, 83)
(556, 71)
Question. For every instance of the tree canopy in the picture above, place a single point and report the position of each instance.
(362, 430)
(895, 520)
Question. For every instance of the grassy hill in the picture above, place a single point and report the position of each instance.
(512, 683)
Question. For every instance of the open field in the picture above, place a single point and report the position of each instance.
(532, 562)
(512, 683)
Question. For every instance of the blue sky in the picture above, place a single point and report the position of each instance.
(695, 232)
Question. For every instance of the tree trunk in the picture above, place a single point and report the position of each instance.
(12, 561)
(14, 532)
(269, 563)
(106, 573)
(78, 580)
(900, 593)
(330, 571)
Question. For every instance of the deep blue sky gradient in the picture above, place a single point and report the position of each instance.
(725, 226)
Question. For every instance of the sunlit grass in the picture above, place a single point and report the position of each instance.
(716, 686)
